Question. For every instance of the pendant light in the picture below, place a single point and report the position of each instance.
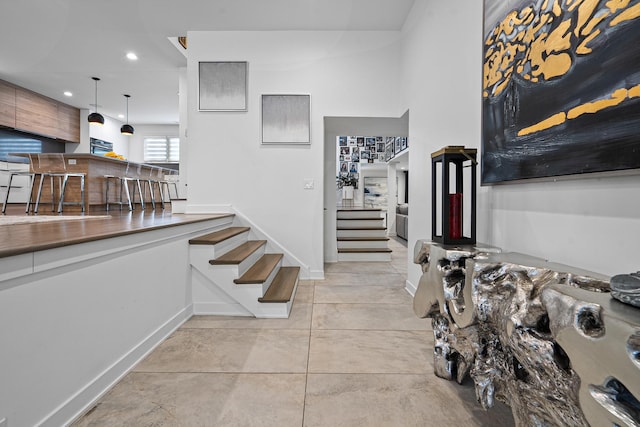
(96, 118)
(127, 129)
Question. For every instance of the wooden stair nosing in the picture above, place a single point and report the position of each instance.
(363, 239)
(282, 287)
(239, 254)
(260, 271)
(218, 236)
(359, 210)
(361, 219)
(364, 250)
(361, 228)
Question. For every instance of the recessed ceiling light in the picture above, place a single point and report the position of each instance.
(121, 116)
(67, 93)
(132, 56)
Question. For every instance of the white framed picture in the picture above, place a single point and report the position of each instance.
(222, 86)
(286, 119)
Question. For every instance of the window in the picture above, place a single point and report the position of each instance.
(161, 149)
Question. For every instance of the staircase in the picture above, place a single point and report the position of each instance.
(233, 275)
(362, 236)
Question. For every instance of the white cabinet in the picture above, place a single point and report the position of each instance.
(20, 184)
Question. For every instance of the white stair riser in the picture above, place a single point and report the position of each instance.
(225, 246)
(359, 223)
(363, 257)
(361, 233)
(359, 214)
(359, 244)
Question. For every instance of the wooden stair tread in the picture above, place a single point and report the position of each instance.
(360, 210)
(260, 271)
(282, 286)
(361, 219)
(218, 236)
(363, 239)
(364, 250)
(239, 254)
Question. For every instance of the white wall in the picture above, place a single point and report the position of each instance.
(591, 223)
(346, 74)
(441, 86)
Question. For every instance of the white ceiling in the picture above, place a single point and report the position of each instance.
(52, 46)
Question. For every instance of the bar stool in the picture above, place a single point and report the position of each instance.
(150, 181)
(136, 179)
(53, 166)
(156, 179)
(171, 180)
(123, 181)
(18, 173)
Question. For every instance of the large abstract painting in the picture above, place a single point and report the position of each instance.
(561, 88)
(286, 119)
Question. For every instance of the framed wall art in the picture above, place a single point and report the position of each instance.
(222, 86)
(286, 119)
(375, 192)
(561, 89)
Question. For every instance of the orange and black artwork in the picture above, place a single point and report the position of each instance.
(561, 88)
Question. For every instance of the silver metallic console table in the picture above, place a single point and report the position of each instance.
(546, 339)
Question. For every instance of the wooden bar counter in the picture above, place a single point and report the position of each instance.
(95, 168)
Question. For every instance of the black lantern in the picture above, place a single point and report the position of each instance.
(457, 201)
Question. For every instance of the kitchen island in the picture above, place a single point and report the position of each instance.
(95, 168)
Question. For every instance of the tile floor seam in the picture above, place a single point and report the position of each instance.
(306, 375)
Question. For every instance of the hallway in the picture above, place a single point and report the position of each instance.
(352, 353)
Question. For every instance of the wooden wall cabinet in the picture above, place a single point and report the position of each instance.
(7, 105)
(35, 113)
(68, 123)
(31, 112)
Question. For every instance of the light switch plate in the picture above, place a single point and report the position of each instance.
(71, 162)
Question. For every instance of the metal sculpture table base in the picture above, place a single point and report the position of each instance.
(546, 339)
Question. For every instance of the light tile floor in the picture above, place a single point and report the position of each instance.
(352, 353)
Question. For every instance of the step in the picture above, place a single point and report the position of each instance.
(260, 271)
(361, 233)
(364, 250)
(282, 287)
(360, 214)
(218, 236)
(239, 254)
(352, 243)
(360, 223)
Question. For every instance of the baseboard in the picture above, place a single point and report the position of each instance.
(316, 275)
(84, 399)
(220, 309)
(410, 288)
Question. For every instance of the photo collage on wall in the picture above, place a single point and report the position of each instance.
(355, 150)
